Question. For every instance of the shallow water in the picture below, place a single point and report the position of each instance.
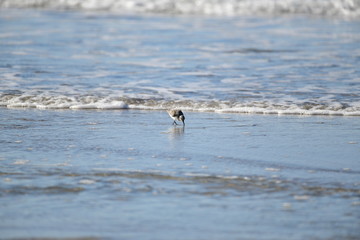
(130, 174)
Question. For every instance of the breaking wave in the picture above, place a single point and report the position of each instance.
(327, 8)
(222, 106)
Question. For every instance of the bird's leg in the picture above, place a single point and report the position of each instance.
(174, 123)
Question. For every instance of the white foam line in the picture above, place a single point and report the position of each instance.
(290, 106)
(329, 8)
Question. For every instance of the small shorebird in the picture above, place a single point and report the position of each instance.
(177, 115)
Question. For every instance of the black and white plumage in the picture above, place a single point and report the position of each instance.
(177, 115)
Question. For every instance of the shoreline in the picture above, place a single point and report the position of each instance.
(124, 107)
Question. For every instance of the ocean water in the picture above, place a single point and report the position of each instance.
(271, 95)
(100, 60)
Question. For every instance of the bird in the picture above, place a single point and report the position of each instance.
(177, 115)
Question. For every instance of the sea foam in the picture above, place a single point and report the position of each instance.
(219, 106)
(328, 8)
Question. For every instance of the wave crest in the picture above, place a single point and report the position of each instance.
(328, 8)
(257, 107)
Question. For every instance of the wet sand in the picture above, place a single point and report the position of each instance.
(129, 174)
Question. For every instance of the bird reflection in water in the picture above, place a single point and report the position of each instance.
(176, 132)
